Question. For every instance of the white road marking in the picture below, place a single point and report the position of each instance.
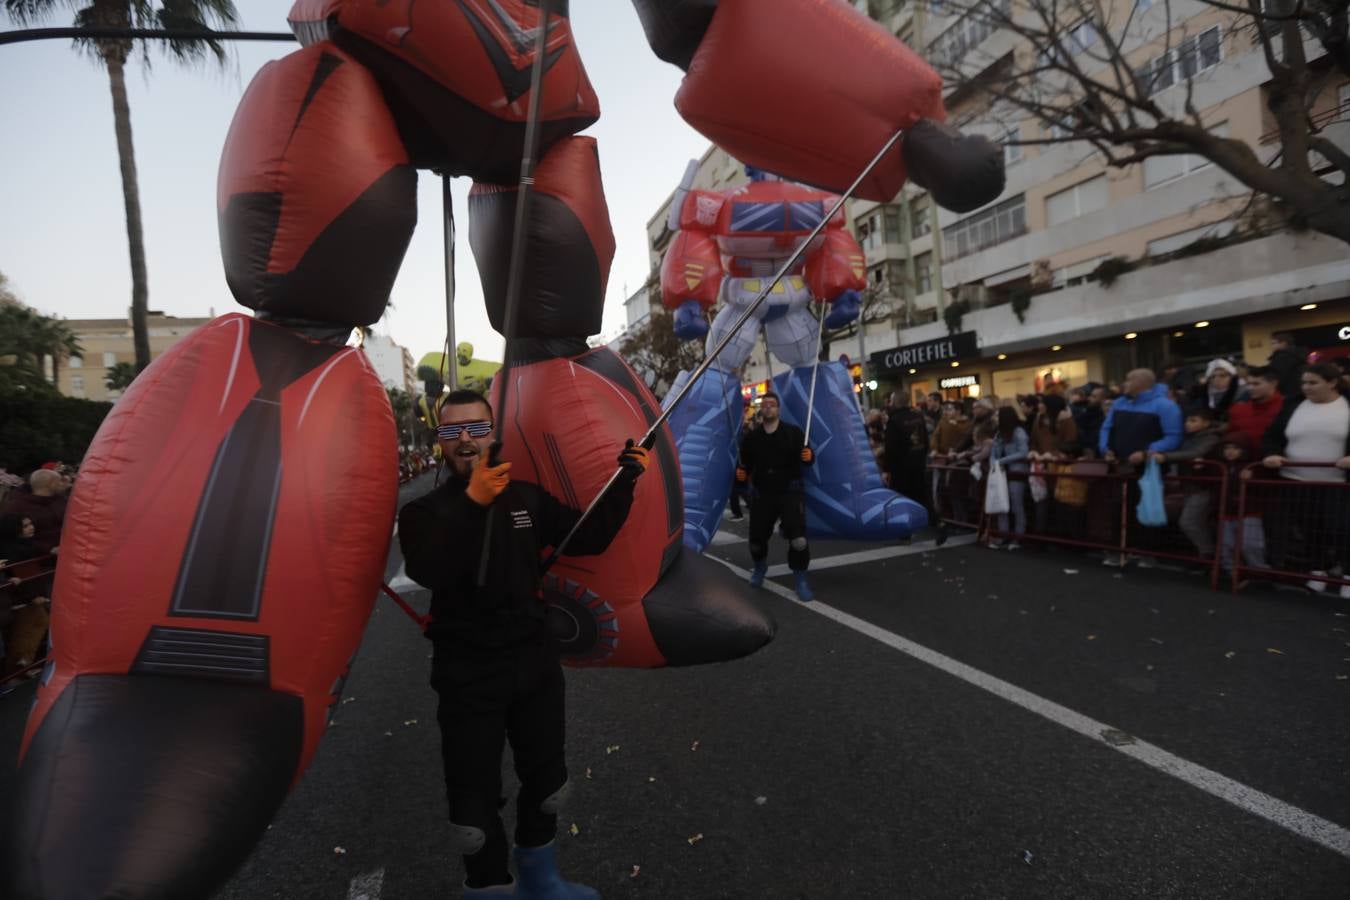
(367, 887)
(851, 559)
(1316, 829)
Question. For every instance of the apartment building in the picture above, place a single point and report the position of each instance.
(107, 342)
(392, 362)
(1023, 272)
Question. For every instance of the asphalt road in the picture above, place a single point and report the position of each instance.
(858, 756)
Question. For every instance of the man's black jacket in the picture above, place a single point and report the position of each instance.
(441, 534)
(774, 459)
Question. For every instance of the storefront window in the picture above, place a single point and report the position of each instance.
(1069, 373)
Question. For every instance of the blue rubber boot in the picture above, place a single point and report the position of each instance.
(803, 589)
(537, 876)
(758, 572)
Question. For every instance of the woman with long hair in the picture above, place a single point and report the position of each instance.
(1010, 450)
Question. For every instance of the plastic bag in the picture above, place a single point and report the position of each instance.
(976, 470)
(1039, 490)
(996, 491)
(1152, 511)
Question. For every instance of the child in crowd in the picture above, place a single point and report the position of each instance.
(1235, 459)
(1202, 440)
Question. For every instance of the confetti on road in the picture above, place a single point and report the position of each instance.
(1342, 677)
(1070, 571)
(1091, 637)
(1026, 857)
(1022, 612)
(348, 700)
(1230, 654)
(1156, 640)
(992, 597)
(574, 830)
(760, 801)
(612, 748)
(407, 722)
(651, 780)
(695, 839)
(339, 851)
(588, 774)
(637, 870)
(1276, 652)
(693, 746)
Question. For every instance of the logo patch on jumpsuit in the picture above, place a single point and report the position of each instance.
(521, 519)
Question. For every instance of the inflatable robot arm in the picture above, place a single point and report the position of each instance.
(835, 273)
(725, 48)
(691, 273)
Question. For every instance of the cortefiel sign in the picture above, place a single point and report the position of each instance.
(913, 356)
(958, 381)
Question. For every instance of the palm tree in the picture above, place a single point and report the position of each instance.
(198, 15)
(120, 376)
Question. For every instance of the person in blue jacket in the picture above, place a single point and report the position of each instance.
(1143, 421)
(1011, 446)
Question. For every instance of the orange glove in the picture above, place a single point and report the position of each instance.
(808, 455)
(742, 475)
(487, 482)
(633, 460)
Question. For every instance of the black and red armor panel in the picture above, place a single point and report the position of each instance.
(316, 199)
(457, 73)
(645, 602)
(568, 251)
(675, 27)
(226, 542)
(809, 89)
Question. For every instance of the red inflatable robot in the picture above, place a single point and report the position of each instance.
(230, 525)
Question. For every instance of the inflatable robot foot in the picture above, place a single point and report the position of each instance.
(707, 429)
(845, 497)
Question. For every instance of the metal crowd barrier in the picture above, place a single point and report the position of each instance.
(24, 572)
(1259, 524)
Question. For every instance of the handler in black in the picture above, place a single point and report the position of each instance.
(771, 460)
(496, 665)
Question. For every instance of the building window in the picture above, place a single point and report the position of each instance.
(890, 217)
(986, 228)
(1190, 57)
(109, 359)
(869, 231)
(77, 385)
(951, 47)
(1012, 152)
(75, 362)
(923, 273)
(920, 223)
(1160, 170)
(1079, 200)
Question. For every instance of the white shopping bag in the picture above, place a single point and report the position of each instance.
(996, 491)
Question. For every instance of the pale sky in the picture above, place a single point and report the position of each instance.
(62, 227)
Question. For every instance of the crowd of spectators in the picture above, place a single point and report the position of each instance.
(1204, 426)
(32, 513)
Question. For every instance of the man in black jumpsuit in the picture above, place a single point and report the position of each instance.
(771, 460)
(496, 666)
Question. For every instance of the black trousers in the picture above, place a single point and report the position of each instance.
(767, 508)
(487, 698)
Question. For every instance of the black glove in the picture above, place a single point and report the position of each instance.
(632, 461)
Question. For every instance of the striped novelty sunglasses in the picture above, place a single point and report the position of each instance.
(452, 432)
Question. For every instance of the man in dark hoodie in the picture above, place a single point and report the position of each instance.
(496, 665)
(1288, 360)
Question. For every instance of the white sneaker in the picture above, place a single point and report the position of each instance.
(1147, 562)
(1314, 584)
(1013, 546)
(995, 545)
